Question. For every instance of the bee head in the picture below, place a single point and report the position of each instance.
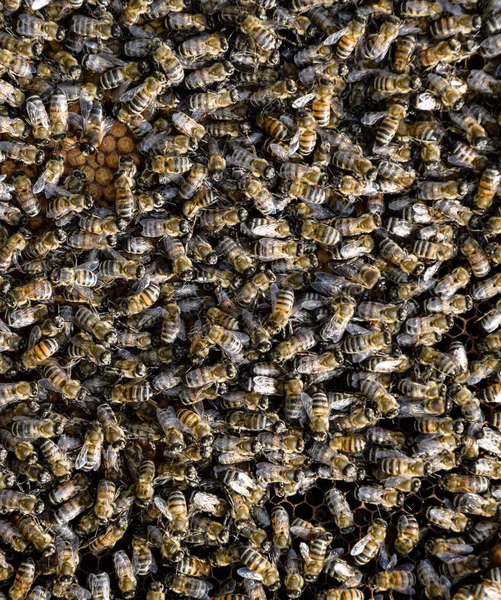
(87, 148)
(116, 31)
(74, 72)
(61, 34)
(37, 48)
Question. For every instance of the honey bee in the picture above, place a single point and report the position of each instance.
(488, 183)
(398, 579)
(294, 581)
(12, 537)
(127, 581)
(189, 586)
(367, 548)
(23, 580)
(448, 519)
(340, 510)
(155, 591)
(407, 534)
(112, 534)
(258, 567)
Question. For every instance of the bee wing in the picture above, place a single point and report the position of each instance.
(384, 558)
(407, 29)
(51, 190)
(304, 550)
(303, 101)
(129, 94)
(335, 37)
(281, 152)
(294, 143)
(46, 384)
(140, 33)
(273, 292)
(141, 285)
(86, 102)
(4, 327)
(247, 573)
(82, 457)
(99, 63)
(355, 329)
(490, 45)
(84, 292)
(371, 118)
(359, 547)
(233, 458)
(446, 586)
(35, 336)
(90, 265)
(40, 183)
(307, 404)
(152, 139)
(162, 506)
(34, 115)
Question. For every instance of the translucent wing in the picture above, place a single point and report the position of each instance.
(335, 37)
(247, 573)
(35, 115)
(303, 101)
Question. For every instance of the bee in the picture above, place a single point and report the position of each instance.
(127, 581)
(433, 585)
(142, 557)
(67, 559)
(155, 591)
(29, 155)
(38, 118)
(294, 581)
(404, 50)
(88, 27)
(342, 594)
(386, 86)
(12, 537)
(395, 580)
(340, 510)
(279, 90)
(367, 548)
(446, 51)
(100, 586)
(24, 194)
(236, 255)
(348, 38)
(448, 519)
(189, 586)
(281, 527)
(26, 504)
(488, 183)
(112, 534)
(450, 95)
(258, 567)
(314, 555)
(176, 504)
(23, 580)
(407, 534)
(31, 26)
(452, 25)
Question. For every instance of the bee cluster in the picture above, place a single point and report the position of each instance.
(262, 359)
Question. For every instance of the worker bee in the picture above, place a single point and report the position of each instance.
(340, 510)
(126, 579)
(112, 534)
(367, 548)
(407, 534)
(258, 567)
(23, 580)
(398, 579)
